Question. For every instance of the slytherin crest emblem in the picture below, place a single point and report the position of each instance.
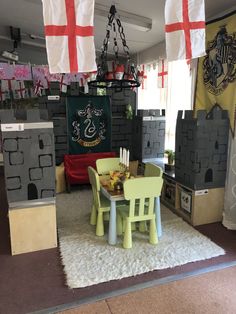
(89, 128)
(219, 66)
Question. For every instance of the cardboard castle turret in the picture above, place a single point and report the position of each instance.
(29, 169)
(201, 148)
(28, 154)
(57, 114)
(149, 130)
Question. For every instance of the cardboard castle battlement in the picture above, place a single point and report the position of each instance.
(28, 154)
(201, 148)
(149, 130)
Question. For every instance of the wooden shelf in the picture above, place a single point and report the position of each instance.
(196, 207)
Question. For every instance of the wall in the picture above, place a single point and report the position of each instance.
(27, 53)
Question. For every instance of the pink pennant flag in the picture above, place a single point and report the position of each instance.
(69, 35)
(6, 71)
(22, 72)
(162, 73)
(185, 29)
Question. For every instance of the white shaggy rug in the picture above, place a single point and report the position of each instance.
(89, 260)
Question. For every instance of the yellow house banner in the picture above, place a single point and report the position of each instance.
(216, 78)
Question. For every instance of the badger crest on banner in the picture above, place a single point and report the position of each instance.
(89, 129)
(219, 64)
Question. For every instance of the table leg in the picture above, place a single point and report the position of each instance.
(158, 216)
(112, 224)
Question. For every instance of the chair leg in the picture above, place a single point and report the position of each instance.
(143, 226)
(153, 232)
(100, 225)
(119, 224)
(93, 216)
(127, 242)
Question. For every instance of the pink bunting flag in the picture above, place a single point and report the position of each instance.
(6, 71)
(22, 72)
(69, 33)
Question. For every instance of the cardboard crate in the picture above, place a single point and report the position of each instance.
(33, 228)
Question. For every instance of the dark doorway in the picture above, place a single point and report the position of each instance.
(32, 192)
(209, 175)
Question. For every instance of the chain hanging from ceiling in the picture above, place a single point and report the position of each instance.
(121, 75)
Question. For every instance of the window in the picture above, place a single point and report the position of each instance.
(177, 96)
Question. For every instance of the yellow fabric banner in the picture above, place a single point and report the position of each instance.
(216, 79)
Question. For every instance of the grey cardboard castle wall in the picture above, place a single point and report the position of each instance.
(201, 148)
(57, 114)
(149, 134)
(122, 128)
(28, 154)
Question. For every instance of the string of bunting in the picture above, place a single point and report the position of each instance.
(15, 79)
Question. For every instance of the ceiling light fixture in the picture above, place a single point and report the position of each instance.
(134, 21)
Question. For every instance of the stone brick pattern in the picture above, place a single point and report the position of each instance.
(122, 128)
(29, 158)
(57, 113)
(149, 127)
(201, 148)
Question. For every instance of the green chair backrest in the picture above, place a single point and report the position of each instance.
(142, 191)
(104, 165)
(95, 183)
(152, 170)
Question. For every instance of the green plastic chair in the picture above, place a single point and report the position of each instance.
(100, 205)
(138, 192)
(152, 170)
(104, 165)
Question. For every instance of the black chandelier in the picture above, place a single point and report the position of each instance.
(118, 75)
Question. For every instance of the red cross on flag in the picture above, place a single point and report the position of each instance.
(38, 87)
(69, 35)
(185, 29)
(20, 90)
(162, 73)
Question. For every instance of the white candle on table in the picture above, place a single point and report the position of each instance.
(124, 156)
(127, 159)
(121, 155)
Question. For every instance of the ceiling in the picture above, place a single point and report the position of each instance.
(27, 14)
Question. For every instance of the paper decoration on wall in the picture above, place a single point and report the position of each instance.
(69, 35)
(162, 73)
(185, 29)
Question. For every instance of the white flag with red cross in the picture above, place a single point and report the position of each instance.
(8, 87)
(19, 92)
(162, 73)
(69, 35)
(38, 88)
(2, 93)
(185, 29)
(142, 76)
